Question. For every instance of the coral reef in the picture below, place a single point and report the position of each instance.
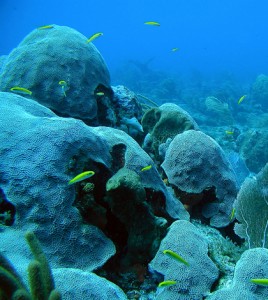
(59, 54)
(259, 90)
(142, 220)
(252, 210)
(252, 264)
(252, 146)
(78, 284)
(166, 122)
(195, 163)
(40, 277)
(40, 191)
(193, 281)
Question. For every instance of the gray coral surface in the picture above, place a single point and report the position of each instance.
(48, 56)
(40, 152)
(195, 162)
(194, 281)
(252, 264)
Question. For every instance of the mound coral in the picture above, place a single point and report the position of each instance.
(194, 162)
(166, 122)
(58, 54)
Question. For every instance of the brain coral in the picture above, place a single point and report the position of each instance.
(195, 162)
(47, 56)
(166, 122)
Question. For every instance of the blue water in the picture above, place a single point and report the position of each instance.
(213, 36)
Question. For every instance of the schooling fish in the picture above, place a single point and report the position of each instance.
(21, 90)
(94, 36)
(175, 256)
(174, 49)
(152, 23)
(82, 176)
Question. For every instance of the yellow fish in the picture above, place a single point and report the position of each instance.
(232, 214)
(146, 168)
(167, 283)
(94, 36)
(63, 85)
(152, 23)
(45, 27)
(100, 94)
(175, 256)
(260, 281)
(241, 99)
(229, 132)
(174, 49)
(82, 176)
(21, 90)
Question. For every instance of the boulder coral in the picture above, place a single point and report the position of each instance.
(49, 56)
(40, 152)
(252, 145)
(252, 264)
(195, 163)
(166, 122)
(193, 281)
(259, 90)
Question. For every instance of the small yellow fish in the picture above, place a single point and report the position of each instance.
(229, 132)
(167, 283)
(241, 99)
(63, 85)
(146, 168)
(153, 23)
(82, 176)
(21, 90)
(174, 49)
(45, 27)
(232, 214)
(94, 36)
(175, 256)
(100, 94)
(260, 281)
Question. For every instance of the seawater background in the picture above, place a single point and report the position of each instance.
(213, 36)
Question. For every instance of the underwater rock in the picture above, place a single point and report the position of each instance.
(252, 264)
(196, 165)
(259, 90)
(75, 284)
(166, 122)
(253, 145)
(61, 70)
(193, 281)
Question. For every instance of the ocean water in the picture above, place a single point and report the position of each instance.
(159, 142)
(212, 37)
